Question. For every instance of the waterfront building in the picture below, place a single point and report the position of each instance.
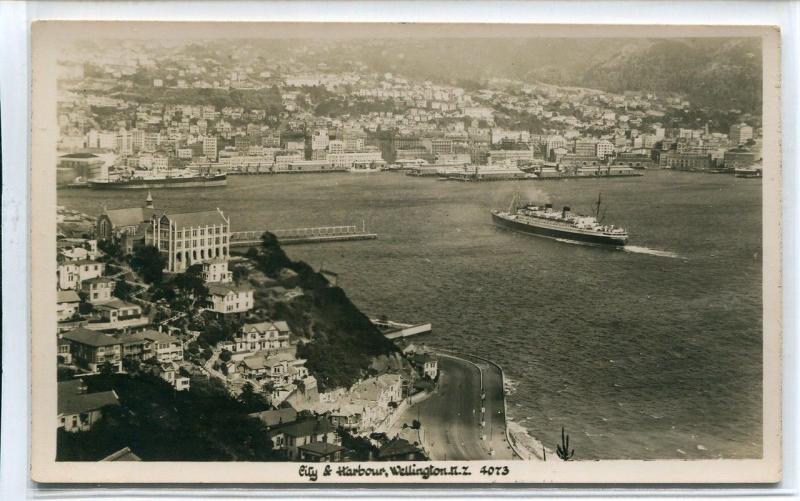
(552, 143)
(320, 139)
(282, 161)
(684, 161)
(79, 410)
(740, 133)
(585, 147)
(605, 148)
(513, 156)
(84, 165)
(739, 157)
(347, 160)
(210, 147)
(190, 237)
(306, 166)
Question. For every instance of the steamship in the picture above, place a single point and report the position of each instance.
(545, 221)
(171, 178)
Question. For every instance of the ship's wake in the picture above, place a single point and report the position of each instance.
(653, 252)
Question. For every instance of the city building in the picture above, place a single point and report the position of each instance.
(216, 270)
(80, 165)
(190, 237)
(91, 349)
(291, 437)
(67, 304)
(740, 133)
(126, 227)
(210, 147)
(229, 298)
(70, 274)
(260, 336)
(98, 290)
(79, 410)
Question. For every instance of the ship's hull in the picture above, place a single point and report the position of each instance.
(175, 182)
(558, 233)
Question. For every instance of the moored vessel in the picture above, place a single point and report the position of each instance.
(180, 179)
(545, 221)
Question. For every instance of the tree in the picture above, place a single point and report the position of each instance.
(123, 290)
(225, 356)
(253, 402)
(149, 263)
(563, 449)
(191, 283)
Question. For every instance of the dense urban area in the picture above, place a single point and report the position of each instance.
(177, 343)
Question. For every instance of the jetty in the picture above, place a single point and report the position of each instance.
(296, 236)
(394, 330)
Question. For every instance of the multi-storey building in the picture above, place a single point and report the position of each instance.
(70, 274)
(604, 148)
(210, 147)
(740, 133)
(190, 237)
(348, 159)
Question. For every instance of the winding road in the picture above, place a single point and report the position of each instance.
(451, 417)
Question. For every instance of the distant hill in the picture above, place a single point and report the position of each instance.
(720, 73)
(714, 73)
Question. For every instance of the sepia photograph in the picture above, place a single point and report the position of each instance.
(441, 253)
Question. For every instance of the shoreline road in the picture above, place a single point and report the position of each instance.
(451, 417)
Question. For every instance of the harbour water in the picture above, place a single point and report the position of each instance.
(649, 353)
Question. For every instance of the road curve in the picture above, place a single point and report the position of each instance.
(451, 417)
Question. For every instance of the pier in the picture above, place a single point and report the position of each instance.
(295, 236)
(394, 330)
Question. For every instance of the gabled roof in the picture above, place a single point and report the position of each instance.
(321, 448)
(396, 447)
(279, 325)
(68, 296)
(220, 289)
(116, 304)
(276, 417)
(130, 216)
(71, 401)
(307, 428)
(89, 337)
(98, 280)
(196, 219)
(152, 335)
(124, 454)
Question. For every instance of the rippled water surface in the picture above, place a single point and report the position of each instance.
(652, 352)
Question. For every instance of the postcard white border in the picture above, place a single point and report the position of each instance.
(599, 11)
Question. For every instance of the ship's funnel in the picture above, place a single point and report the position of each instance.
(548, 206)
(564, 211)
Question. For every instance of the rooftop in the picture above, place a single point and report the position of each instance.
(89, 337)
(68, 296)
(196, 219)
(276, 417)
(321, 448)
(307, 428)
(72, 401)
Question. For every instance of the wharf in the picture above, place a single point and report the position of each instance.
(394, 330)
(298, 236)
